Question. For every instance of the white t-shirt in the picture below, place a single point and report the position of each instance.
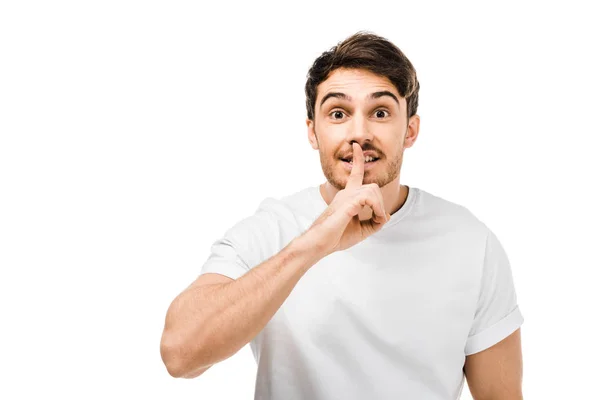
(392, 317)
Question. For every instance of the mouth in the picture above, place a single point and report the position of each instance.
(368, 164)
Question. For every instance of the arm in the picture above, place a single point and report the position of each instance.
(205, 325)
(496, 373)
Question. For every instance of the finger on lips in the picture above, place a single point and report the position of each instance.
(357, 174)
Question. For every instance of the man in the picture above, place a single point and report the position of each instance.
(359, 288)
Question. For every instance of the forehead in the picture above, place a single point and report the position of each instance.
(357, 83)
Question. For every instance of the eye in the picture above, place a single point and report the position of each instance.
(336, 113)
(379, 112)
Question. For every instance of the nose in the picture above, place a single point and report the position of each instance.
(358, 131)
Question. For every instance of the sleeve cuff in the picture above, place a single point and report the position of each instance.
(495, 333)
(226, 268)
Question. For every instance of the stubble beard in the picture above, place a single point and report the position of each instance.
(337, 176)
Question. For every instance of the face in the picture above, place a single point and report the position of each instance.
(363, 107)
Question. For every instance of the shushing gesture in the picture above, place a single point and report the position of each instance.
(339, 226)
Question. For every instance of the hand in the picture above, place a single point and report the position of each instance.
(339, 227)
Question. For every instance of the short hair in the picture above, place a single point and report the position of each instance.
(365, 50)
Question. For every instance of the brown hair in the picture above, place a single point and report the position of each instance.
(365, 50)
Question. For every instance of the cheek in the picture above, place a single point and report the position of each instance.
(333, 132)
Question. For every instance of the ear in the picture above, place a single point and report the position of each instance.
(413, 131)
(312, 137)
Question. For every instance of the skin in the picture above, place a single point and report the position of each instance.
(378, 124)
(382, 125)
(497, 372)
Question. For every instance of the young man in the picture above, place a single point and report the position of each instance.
(361, 287)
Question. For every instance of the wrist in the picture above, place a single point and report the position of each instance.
(311, 242)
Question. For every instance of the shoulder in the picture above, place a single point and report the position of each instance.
(293, 211)
(450, 213)
(457, 223)
(274, 217)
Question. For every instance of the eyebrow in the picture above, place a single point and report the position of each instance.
(372, 96)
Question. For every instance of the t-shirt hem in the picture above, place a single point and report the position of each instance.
(495, 333)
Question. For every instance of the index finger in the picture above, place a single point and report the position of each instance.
(355, 180)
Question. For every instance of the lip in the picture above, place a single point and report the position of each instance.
(365, 154)
(367, 166)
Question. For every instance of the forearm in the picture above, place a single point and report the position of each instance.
(210, 324)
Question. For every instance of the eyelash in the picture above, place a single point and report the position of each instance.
(379, 109)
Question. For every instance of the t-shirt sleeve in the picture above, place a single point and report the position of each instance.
(497, 314)
(225, 259)
(244, 245)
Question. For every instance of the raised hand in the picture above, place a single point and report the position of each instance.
(339, 227)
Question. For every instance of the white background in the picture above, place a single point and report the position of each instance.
(134, 133)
